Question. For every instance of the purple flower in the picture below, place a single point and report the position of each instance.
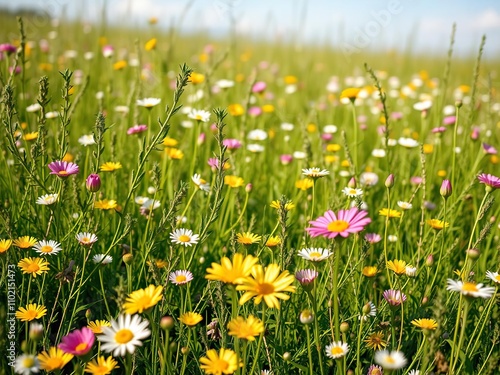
(449, 120)
(438, 130)
(286, 159)
(136, 129)
(344, 223)
(78, 342)
(306, 278)
(489, 180)
(93, 182)
(489, 149)
(446, 189)
(258, 87)
(231, 143)
(63, 168)
(254, 111)
(416, 180)
(394, 297)
(372, 238)
(7, 48)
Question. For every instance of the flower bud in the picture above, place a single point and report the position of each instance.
(287, 356)
(367, 308)
(25, 346)
(306, 317)
(88, 314)
(185, 350)
(446, 189)
(352, 183)
(167, 323)
(36, 331)
(344, 327)
(458, 103)
(430, 260)
(128, 258)
(389, 181)
(473, 253)
(248, 188)
(93, 182)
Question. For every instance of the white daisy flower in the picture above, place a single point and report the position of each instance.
(124, 335)
(337, 350)
(410, 271)
(33, 107)
(414, 372)
(184, 237)
(122, 109)
(102, 259)
(151, 204)
(47, 247)
(199, 115)
(494, 276)
(315, 172)
(87, 140)
(408, 142)
(255, 147)
(405, 205)
(47, 199)
(378, 153)
(224, 83)
(368, 179)
(352, 192)
(392, 238)
(86, 238)
(180, 277)
(286, 126)
(422, 106)
(257, 135)
(148, 102)
(315, 254)
(470, 289)
(330, 129)
(390, 360)
(299, 155)
(26, 364)
(52, 114)
(200, 182)
(141, 200)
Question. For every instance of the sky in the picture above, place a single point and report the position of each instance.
(353, 26)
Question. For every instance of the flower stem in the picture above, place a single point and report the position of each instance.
(259, 344)
(461, 339)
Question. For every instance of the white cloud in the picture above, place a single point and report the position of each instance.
(489, 19)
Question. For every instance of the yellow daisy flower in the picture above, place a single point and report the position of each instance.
(143, 299)
(110, 166)
(245, 329)
(25, 242)
(5, 245)
(231, 272)
(96, 326)
(247, 238)
(33, 266)
(53, 360)
(31, 312)
(190, 318)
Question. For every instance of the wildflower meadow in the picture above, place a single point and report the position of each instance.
(176, 205)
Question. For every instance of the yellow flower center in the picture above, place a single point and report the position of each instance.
(180, 278)
(337, 350)
(28, 362)
(33, 268)
(497, 278)
(390, 360)
(30, 314)
(184, 238)
(123, 336)
(85, 240)
(314, 255)
(220, 365)
(63, 172)
(338, 226)
(81, 346)
(46, 249)
(469, 287)
(246, 241)
(265, 288)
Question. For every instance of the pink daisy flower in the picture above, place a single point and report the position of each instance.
(449, 120)
(78, 342)
(231, 143)
(63, 168)
(373, 238)
(136, 129)
(489, 180)
(394, 297)
(347, 221)
(306, 278)
(489, 149)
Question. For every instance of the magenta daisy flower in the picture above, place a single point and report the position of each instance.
(78, 342)
(136, 129)
(394, 297)
(63, 168)
(347, 221)
(231, 143)
(373, 238)
(489, 180)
